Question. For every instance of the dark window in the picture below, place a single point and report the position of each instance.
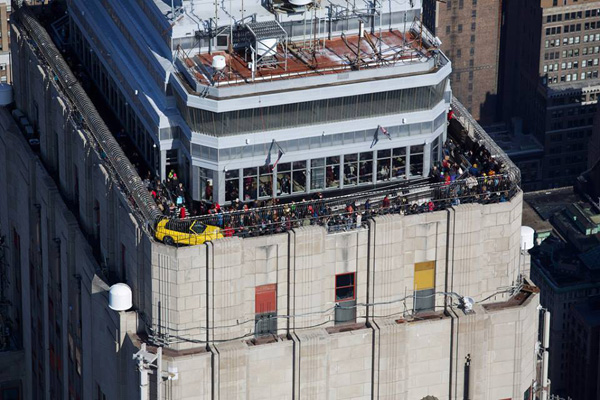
(345, 287)
(345, 297)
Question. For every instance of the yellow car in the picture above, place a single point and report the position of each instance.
(186, 232)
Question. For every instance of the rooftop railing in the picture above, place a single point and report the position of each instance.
(335, 213)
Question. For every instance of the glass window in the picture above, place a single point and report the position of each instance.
(345, 287)
(284, 179)
(365, 171)
(399, 162)
(384, 165)
(350, 169)
(250, 184)
(435, 146)
(416, 160)
(232, 185)
(317, 174)
(299, 177)
(333, 172)
(265, 188)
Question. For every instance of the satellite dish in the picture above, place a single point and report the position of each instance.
(120, 297)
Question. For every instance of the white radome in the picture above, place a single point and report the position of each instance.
(120, 297)
(219, 63)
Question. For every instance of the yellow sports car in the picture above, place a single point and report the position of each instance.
(186, 232)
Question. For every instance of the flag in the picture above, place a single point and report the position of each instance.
(279, 154)
(268, 160)
(375, 138)
(385, 132)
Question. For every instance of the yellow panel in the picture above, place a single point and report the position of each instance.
(425, 275)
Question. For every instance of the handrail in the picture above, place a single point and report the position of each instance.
(109, 149)
(480, 136)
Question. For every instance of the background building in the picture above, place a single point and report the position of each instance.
(523, 149)
(551, 79)
(5, 73)
(564, 267)
(470, 31)
(424, 292)
(594, 146)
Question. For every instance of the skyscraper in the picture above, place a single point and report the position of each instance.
(551, 79)
(400, 277)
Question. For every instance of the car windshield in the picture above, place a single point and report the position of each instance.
(198, 228)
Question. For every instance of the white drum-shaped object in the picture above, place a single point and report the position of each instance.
(527, 237)
(299, 3)
(120, 297)
(6, 94)
(266, 47)
(218, 63)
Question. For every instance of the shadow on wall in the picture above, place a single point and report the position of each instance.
(488, 110)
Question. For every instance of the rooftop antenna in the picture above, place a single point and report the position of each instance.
(172, 9)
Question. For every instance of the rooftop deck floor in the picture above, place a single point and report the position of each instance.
(331, 56)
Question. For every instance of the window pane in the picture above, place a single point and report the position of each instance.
(265, 182)
(250, 186)
(317, 178)
(299, 181)
(344, 280)
(350, 169)
(249, 171)
(366, 172)
(344, 293)
(333, 176)
(283, 167)
(283, 183)
(299, 164)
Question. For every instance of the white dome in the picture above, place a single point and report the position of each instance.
(527, 235)
(218, 63)
(120, 297)
(300, 2)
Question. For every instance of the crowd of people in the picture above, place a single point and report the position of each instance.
(170, 195)
(467, 173)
